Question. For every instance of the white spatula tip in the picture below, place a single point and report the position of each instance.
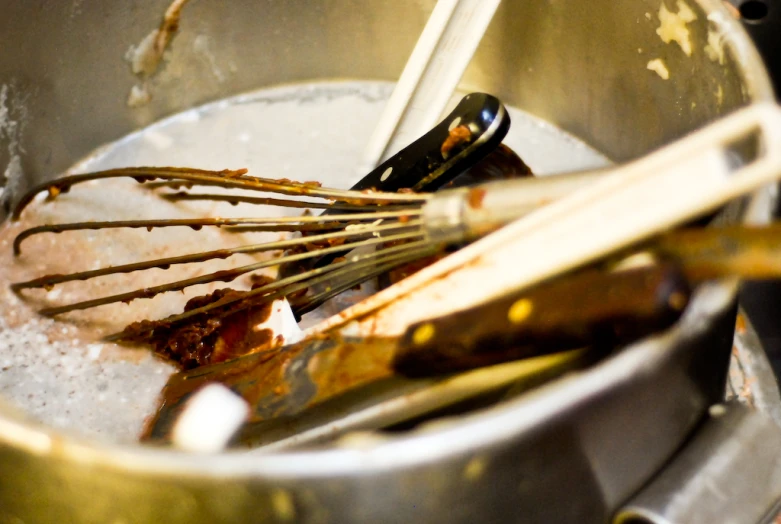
(209, 420)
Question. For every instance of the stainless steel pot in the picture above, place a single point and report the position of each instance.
(574, 449)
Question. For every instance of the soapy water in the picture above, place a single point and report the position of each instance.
(58, 371)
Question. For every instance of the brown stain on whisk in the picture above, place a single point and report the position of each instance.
(223, 319)
(357, 218)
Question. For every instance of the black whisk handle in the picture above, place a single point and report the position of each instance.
(476, 127)
(471, 132)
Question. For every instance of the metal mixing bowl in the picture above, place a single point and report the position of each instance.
(573, 449)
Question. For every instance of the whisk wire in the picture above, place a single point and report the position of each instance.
(228, 179)
(165, 263)
(280, 202)
(269, 224)
(227, 275)
(390, 257)
(378, 268)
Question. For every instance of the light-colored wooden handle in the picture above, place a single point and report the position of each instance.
(430, 77)
(732, 157)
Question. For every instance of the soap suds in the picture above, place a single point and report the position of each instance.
(672, 26)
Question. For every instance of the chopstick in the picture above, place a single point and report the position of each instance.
(433, 70)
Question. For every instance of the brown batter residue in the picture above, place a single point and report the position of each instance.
(458, 135)
(211, 337)
(475, 197)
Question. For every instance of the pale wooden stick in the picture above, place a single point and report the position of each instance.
(668, 187)
(430, 77)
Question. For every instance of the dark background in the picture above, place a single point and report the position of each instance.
(762, 300)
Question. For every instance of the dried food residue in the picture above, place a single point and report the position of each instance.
(333, 365)
(673, 26)
(145, 57)
(457, 136)
(714, 49)
(475, 197)
(224, 333)
(658, 67)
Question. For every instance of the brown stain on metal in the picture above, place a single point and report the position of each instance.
(475, 197)
(349, 365)
(282, 389)
(253, 377)
(746, 392)
(262, 376)
(269, 378)
(60, 254)
(238, 338)
(740, 324)
(737, 16)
